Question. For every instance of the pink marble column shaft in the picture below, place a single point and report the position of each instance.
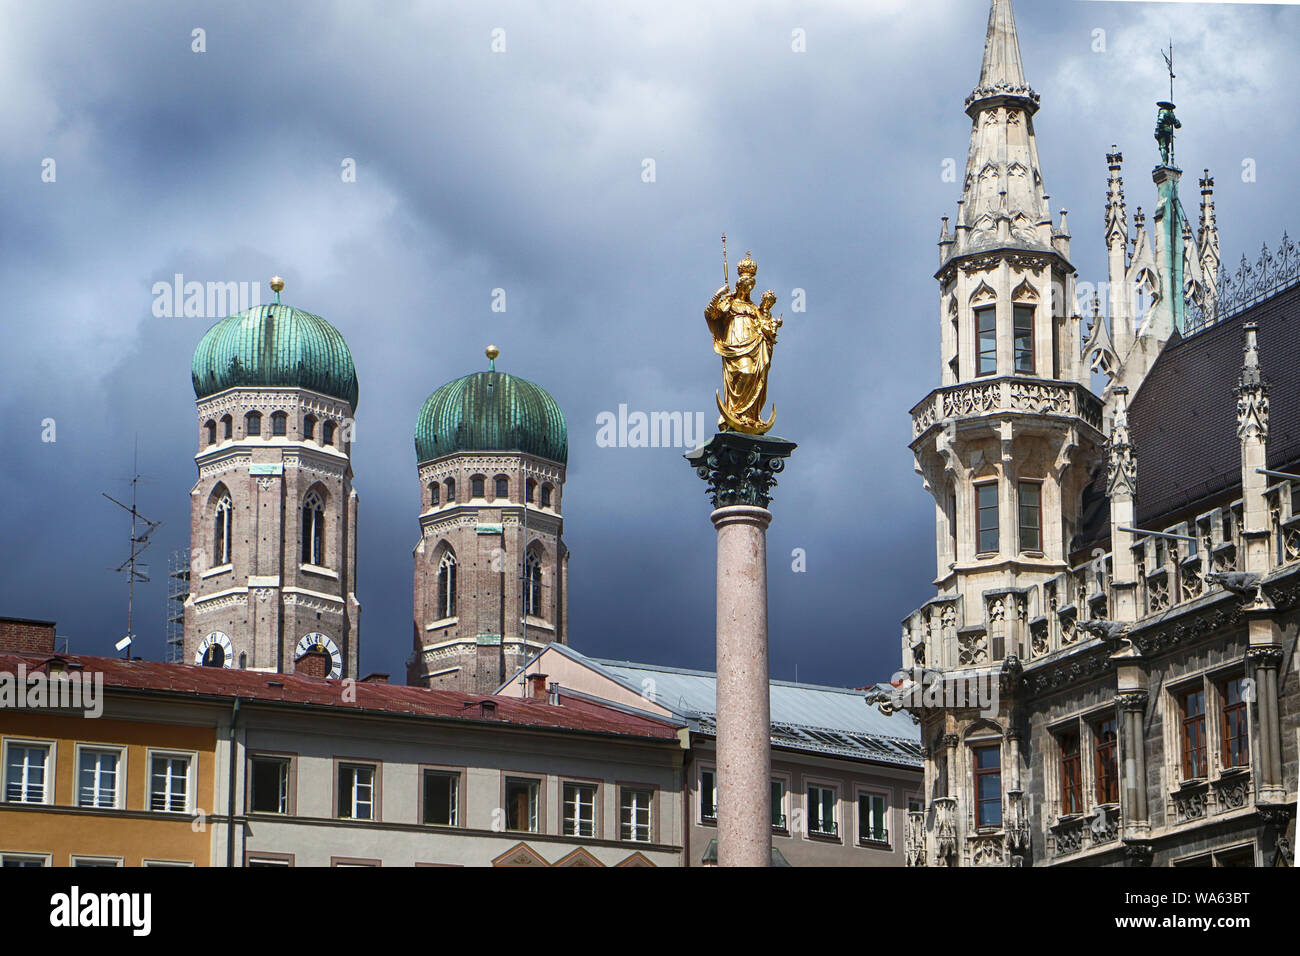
(744, 719)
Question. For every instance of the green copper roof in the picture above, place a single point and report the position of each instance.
(275, 345)
(491, 411)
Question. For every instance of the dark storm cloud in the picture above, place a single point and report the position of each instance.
(523, 171)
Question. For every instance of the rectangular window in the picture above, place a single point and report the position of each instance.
(21, 859)
(708, 795)
(476, 486)
(871, 819)
(821, 811)
(522, 798)
(634, 815)
(169, 784)
(269, 780)
(441, 791)
(96, 861)
(986, 517)
(27, 773)
(1024, 335)
(1031, 507)
(988, 786)
(986, 340)
(1107, 762)
(1192, 707)
(97, 778)
(778, 804)
(356, 792)
(580, 809)
(1236, 740)
(1071, 774)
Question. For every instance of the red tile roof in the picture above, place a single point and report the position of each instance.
(296, 689)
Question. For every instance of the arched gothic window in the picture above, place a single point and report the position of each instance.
(434, 489)
(221, 528)
(530, 490)
(253, 423)
(327, 433)
(476, 486)
(447, 586)
(309, 427)
(211, 426)
(279, 423)
(546, 496)
(313, 530)
(502, 486)
(227, 426)
(532, 585)
(450, 485)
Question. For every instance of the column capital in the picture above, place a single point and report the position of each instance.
(1267, 656)
(1132, 700)
(741, 469)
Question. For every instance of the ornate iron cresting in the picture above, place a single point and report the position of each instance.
(1251, 283)
(741, 469)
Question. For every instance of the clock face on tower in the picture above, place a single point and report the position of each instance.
(215, 650)
(318, 640)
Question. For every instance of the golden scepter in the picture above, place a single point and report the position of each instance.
(726, 276)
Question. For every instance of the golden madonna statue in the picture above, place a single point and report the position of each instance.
(744, 334)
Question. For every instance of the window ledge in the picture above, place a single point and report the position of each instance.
(219, 569)
(441, 623)
(1241, 771)
(822, 837)
(318, 569)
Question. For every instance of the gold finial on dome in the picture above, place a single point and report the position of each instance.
(492, 352)
(277, 285)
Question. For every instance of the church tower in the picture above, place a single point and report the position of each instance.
(273, 515)
(491, 568)
(1006, 445)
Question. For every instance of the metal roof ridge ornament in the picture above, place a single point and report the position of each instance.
(1272, 272)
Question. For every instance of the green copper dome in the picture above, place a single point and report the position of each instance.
(491, 411)
(275, 345)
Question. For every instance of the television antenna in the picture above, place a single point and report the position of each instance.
(141, 530)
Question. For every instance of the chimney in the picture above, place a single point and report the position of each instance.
(314, 663)
(26, 637)
(554, 696)
(536, 686)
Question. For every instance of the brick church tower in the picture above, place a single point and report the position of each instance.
(273, 514)
(491, 568)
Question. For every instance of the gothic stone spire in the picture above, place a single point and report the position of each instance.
(1003, 202)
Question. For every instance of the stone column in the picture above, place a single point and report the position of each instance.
(741, 470)
(1266, 660)
(1132, 702)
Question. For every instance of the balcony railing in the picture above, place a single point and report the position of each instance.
(1014, 393)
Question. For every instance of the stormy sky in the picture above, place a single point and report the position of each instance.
(525, 170)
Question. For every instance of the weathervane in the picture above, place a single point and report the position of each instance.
(1169, 62)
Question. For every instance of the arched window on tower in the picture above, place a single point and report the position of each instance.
(227, 426)
(221, 531)
(447, 586)
(502, 486)
(476, 486)
(530, 490)
(533, 585)
(253, 423)
(450, 485)
(434, 493)
(279, 423)
(243, 662)
(211, 426)
(313, 530)
(309, 427)
(546, 496)
(327, 433)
